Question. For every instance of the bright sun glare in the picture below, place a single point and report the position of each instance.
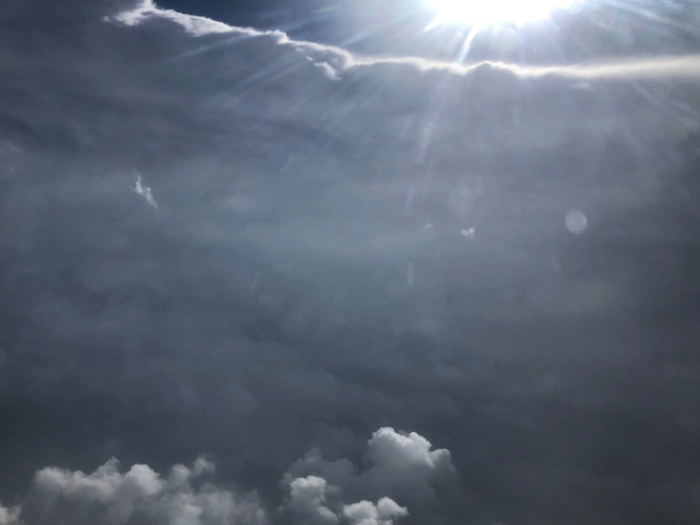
(485, 12)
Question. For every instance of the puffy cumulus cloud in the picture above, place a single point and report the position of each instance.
(406, 465)
(401, 466)
(140, 495)
(106, 486)
(392, 450)
(385, 512)
(307, 499)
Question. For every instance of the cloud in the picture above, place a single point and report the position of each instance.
(671, 67)
(367, 513)
(194, 25)
(139, 495)
(9, 516)
(406, 464)
(391, 450)
(265, 309)
(307, 498)
(145, 191)
(402, 466)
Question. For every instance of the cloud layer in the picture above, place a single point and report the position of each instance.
(219, 239)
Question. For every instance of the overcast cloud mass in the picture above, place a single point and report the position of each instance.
(251, 280)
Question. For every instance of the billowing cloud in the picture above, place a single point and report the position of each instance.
(140, 495)
(401, 466)
(111, 496)
(367, 513)
(306, 279)
(406, 463)
(307, 501)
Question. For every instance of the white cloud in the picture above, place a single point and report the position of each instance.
(366, 513)
(403, 466)
(140, 495)
(307, 498)
(144, 191)
(194, 25)
(392, 450)
(114, 498)
(308, 504)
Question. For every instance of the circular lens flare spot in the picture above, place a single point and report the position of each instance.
(576, 222)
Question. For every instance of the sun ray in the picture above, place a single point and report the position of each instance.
(478, 12)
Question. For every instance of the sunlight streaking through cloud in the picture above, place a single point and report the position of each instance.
(496, 11)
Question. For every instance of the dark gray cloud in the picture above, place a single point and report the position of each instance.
(240, 244)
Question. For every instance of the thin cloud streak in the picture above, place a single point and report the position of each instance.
(145, 191)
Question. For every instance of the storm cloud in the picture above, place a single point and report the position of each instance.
(218, 240)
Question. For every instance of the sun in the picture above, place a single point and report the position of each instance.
(489, 12)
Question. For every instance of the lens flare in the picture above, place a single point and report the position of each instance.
(486, 12)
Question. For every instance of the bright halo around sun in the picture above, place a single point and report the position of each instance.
(487, 12)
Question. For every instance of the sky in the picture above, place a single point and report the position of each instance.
(307, 264)
(580, 30)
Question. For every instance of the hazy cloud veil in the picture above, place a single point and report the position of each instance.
(376, 291)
